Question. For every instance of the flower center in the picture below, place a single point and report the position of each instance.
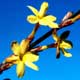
(21, 56)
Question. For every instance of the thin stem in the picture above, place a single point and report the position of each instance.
(31, 36)
(41, 48)
(41, 39)
(4, 66)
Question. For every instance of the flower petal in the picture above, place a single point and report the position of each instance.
(66, 54)
(24, 46)
(35, 11)
(48, 21)
(53, 25)
(12, 59)
(43, 9)
(49, 18)
(30, 57)
(32, 19)
(15, 48)
(43, 22)
(20, 69)
(32, 66)
(65, 45)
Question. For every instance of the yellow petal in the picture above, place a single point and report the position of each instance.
(53, 25)
(15, 48)
(32, 66)
(43, 22)
(66, 54)
(32, 19)
(29, 57)
(43, 9)
(20, 69)
(24, 46)
(49, 18)
(47, 21)
(35, 11)
(65, 45)
(12, 59)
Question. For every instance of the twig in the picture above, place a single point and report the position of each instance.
(31, 36)
(4, 66)
(41, 48)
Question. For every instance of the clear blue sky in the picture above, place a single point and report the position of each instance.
(13, 26)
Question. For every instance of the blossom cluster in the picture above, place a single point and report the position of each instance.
(25, 55)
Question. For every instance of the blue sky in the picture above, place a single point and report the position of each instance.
(13, 26)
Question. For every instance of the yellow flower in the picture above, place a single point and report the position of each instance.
(27, 59)
(62, 45)
(41, 18)
(22, 57)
